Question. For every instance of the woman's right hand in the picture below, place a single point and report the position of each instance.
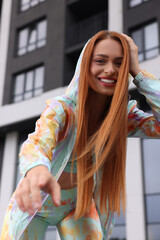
(28, 192)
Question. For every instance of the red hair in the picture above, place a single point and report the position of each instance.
(108, 144)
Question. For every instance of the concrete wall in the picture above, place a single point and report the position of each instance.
(135, 216)
(115, 11)
(8, 172)
(4, 38)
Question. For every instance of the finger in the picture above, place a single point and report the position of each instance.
(19, 199)
(130, 41)
(53, 188)
(26, 197)
(127, 37)
(19, 195)
(56, 193)
(35, 193)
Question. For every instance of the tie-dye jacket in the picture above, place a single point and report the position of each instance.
(52, 142)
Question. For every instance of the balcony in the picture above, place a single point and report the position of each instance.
(79, 33)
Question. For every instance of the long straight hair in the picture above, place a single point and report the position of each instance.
(108, 144)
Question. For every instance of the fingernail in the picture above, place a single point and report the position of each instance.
(37, 205)
(22, 209)
(57, 202)
(30, 211)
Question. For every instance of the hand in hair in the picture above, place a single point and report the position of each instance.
(28, 192)
(134, 64)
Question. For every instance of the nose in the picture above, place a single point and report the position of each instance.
(109, 68)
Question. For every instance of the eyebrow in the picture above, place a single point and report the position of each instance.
(105, 56)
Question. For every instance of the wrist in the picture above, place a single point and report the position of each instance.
(36, 169)
(135, 71)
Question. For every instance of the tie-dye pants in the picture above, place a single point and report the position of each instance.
(85, 228)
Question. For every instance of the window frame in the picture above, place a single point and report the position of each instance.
(30, 27)
(20, 5)
(142, 29)
(119, 225)
(13, 95)
(147, 224)
(142, 2)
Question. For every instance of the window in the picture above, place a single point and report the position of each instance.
(26, 4)
(133, 3)
(119, 230)
(32, 37)
(28, 84)
(51, 233)
(147, 40)
(151, 153)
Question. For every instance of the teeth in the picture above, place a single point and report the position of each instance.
(107, 80)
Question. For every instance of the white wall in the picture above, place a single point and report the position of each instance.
(4, 38)
(27, 109)
(135, 216)
(115, 18)
(8, 172)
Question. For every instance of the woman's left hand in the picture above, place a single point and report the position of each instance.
(134, 64)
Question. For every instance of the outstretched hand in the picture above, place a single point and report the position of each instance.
(134, 64)
(28, 192)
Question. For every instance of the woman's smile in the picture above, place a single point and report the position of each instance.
(107, 81)
(105, 65)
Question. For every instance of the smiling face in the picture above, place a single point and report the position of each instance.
(105, 64)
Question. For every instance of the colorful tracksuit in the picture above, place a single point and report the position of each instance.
(48, 146)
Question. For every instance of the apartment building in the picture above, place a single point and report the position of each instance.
(40, 41)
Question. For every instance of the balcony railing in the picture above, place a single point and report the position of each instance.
(82, 31)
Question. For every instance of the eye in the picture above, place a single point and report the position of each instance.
(100, 61)
(118, 64)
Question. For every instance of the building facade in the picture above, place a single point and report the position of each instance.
(40, 41)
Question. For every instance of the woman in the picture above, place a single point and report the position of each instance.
(73, 165)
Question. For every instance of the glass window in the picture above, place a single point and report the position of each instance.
(26, 4)
(32, 37)
(19, 84)
(34, 3)
(138, 39)
(119, 233)
(23, 40)
(153, 232)
(119, 230)
(29, 80)
(51, 234)
(151, 40)
(153, 208)
(147, 40)
(41, 32)
(28, 84)
(151, 153)
(133, 3)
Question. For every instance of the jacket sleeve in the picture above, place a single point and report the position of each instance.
(37, 149)
(141, 124)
